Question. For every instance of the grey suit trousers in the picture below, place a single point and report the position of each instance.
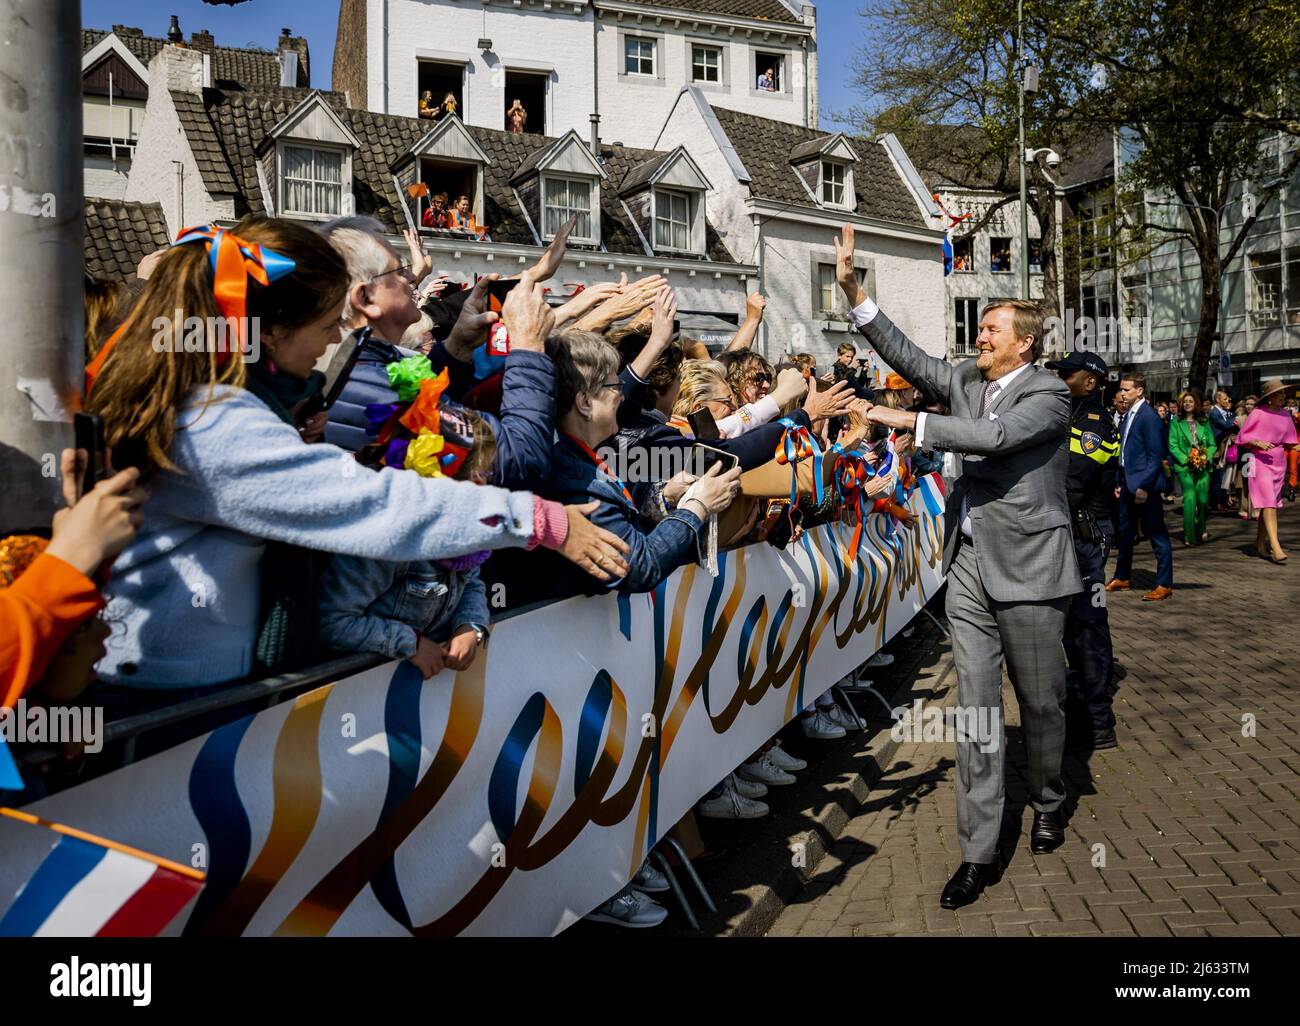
(1028, 636)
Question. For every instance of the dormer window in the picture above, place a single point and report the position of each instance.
(824, 163)
(305, 162)
(665, 199)
(313, 181)
(441, 180)
(833, 183)
(565, 198)
(558, 182)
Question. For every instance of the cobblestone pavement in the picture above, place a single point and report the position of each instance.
(1190, 828)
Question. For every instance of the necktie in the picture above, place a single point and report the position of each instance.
(990, 390)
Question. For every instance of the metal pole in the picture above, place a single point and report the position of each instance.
(1024, 199)
(42, 224)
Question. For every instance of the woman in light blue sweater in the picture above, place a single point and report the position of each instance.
(214, 432)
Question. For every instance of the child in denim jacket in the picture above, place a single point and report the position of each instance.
(432, 612)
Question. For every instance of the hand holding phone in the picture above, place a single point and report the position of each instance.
(703, 426)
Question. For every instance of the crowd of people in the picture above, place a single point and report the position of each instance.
(254, 507)
(243, 525)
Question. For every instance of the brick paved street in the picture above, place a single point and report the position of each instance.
(1199, 826)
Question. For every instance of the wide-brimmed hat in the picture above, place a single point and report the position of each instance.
(894, 382)
(1272, 386)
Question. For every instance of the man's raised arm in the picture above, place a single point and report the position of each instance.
(932, 375)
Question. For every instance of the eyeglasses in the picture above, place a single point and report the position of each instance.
(726, 400)
(762, 378)
(404, 270)
(616, 385)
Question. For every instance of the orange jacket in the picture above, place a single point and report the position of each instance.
(38, 613)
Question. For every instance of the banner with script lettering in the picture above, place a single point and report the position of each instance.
(515, 796)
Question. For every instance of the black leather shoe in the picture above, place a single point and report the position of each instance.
(969, 882)
(1047, 834)
(1104, 739)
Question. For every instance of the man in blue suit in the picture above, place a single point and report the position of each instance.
(1141, 482)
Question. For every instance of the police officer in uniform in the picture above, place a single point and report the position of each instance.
(1090, 487)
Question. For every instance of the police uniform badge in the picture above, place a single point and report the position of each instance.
(1089, 442)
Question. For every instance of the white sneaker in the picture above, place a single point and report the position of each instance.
(731, 804)
(785, 760)
(841, 717)
(879, 659)
(907, 632)
(821, 727)
(629, 908)
(852, 683)
(764, 771)
(748, 788)
(650, 880)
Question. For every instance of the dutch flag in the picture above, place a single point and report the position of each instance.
(89, 887)
(931, 489)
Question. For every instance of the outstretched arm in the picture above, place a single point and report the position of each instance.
(930, 374)
(1035, 418)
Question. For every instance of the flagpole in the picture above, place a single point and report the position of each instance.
(103, 842)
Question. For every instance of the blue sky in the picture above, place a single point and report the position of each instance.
(258, 22)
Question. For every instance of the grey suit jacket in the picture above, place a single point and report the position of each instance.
(1012, 464)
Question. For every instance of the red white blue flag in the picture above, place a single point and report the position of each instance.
(91, 887)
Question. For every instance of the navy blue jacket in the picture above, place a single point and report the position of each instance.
(656, 550)
(525, 431)
(1143, 451)
(753, 449)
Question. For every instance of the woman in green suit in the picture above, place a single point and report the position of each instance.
(1191, 444)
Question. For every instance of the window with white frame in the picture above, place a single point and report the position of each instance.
(827, 293)
(672, 220)
(706, 63)
(834, 184)
(638, 56)
(313, 181)
(563, 198)
(966, 320)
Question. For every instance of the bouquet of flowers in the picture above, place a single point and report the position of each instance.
(1198, 459)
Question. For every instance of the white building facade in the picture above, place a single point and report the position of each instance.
(567, 60)
(780, 194)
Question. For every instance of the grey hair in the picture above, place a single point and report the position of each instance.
(360, 241)
(582, 361)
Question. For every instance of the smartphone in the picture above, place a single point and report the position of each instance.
(708, 456)
(498, 336)
(88, 429)
(340, 368)
(703, 425)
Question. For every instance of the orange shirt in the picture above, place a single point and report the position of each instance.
(38, 612)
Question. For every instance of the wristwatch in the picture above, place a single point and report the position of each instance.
(481, 632)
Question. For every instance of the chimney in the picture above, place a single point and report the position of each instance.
(294, 67)
(202, 39)
(595, 136)
(174, 34)
(181, 69)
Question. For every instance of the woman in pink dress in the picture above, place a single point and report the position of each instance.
(1268, 432)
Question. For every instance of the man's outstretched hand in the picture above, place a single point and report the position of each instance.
(844, 272)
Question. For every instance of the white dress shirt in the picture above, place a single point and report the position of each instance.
(1125, 424)
(864, 313)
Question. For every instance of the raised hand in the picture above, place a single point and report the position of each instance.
(527, 316)
(421, 265)
(832, 402)
(845, 275)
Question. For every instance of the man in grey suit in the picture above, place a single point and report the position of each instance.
(1008, 553)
